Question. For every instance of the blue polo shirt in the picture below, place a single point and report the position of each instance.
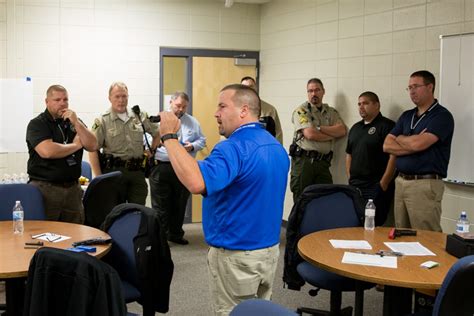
(245, 178)
(433, 160)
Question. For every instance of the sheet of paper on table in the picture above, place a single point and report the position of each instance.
(350, 244)
(409, 248)
(51, 237)
(370, 260)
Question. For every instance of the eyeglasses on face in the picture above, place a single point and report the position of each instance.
(415, 87)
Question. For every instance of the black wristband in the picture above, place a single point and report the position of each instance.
(169, 136)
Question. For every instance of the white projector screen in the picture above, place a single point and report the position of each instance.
(16, 110)
(456, 93)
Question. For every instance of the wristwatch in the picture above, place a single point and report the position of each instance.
(169, 136)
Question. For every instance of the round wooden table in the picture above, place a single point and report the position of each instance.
(316, 249)
(15, 259)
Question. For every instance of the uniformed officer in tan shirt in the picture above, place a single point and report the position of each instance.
(266, 109)
(317, 126)
(120, 136)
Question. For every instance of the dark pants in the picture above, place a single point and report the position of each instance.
(169, 198)
(382, 199)
(61, 203)
(132, 185)
(306, 171)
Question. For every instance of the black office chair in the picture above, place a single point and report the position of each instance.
(101, 196)
(141, 255)
(337, 206)
(259, 307)
(30, 197)
(62, 282)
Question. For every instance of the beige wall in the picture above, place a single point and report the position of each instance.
(86, 45)
(353, 46)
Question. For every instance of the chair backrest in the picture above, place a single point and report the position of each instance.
(30, 197)
(457, 290)
(86, 170)
(62, 282)
(122, 231)
(101, 196)
(334, 210)
(258, 307)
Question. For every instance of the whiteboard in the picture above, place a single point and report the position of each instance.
(456, 93)
(16, 111)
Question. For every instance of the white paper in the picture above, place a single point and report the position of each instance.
(350, 244)
(370, 260)
(51, 237)
(409, 248)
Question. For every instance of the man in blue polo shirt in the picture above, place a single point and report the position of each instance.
(243, 182)
(421, 140)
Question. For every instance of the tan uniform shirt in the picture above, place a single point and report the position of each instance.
(122, 139)
(307, 115)
(269, 110)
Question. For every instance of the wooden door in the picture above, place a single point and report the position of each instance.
(210, 75)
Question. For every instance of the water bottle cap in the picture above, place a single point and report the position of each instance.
(18, 202)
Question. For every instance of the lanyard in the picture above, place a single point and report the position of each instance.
(413, 126)
(65, 137)
(249, 125)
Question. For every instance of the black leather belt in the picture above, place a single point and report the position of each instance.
(59, 184)
(419, 176)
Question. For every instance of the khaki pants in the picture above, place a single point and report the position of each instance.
(418, 203)
(62, 204)
(235, 276)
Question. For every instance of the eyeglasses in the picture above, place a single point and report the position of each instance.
(414, 87)
(314, 90)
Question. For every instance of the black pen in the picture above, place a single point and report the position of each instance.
(36, 243)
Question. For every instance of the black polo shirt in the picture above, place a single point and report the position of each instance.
(365, 145)
(58, 170)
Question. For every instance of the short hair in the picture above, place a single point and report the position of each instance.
(427, 76)
(179, 94)
(119, 85)
(315, 80)
(244, 94)
(55, 87)
(371, 96)
(248, 78)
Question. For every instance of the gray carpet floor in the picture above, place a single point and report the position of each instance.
(190, 291)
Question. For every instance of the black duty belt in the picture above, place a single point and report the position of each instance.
(419, 176)
(133, 164)
(161, 161)
(316, 155)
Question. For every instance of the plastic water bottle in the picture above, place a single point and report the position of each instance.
(369, 223)
(18, 216)
(462, 225)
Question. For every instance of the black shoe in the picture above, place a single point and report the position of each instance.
(180, 241)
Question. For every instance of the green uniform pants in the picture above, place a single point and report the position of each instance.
(306, 171)
(132, 184)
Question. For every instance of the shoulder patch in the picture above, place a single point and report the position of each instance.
(303, 119)
(96, 125)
